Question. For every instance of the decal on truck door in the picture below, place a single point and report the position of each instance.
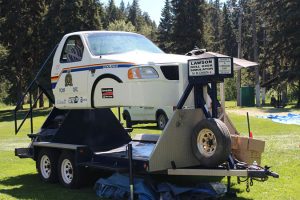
(107, 93)
(68, 79)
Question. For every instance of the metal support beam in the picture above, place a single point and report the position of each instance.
(214, 100)
(207, 172)
(131, 181)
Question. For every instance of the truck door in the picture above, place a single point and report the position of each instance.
(72, 82)
(149, 113)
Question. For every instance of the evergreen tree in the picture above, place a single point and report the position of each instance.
(282, 43)
(228, 39)
(134, 14)
(90, 14)
(21, 39)
(165, 28)
(188, 25)
(122, 9)
(216, 24)
(111, 13)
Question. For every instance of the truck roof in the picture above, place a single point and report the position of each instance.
(104, 32)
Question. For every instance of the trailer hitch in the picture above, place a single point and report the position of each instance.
(256, 173)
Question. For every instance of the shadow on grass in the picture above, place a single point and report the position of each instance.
(29, 186)
(8, 115)
(277, 110)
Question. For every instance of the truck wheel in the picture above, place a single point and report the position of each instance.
(46, 165)
(211, 142)
(128, 120)
(162, 121)
(69, 174)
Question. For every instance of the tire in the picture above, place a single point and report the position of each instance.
(211, 143)
(162, 121)
(70, 175)
(46, 165)
(128, 120)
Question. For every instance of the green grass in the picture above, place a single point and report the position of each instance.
(282, 152)
(18, 178)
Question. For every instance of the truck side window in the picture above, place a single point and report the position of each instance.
(72, 51)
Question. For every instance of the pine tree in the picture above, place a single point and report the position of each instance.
(134, 14)
(228, 39)
(216, 24)
(90, 14)
(21, 39)
(165, 27)
(122, 9)
(282, 44)
(188, 25)
(111, 13)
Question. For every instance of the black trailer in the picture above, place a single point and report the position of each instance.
(72, 141)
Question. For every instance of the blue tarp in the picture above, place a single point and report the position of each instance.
(117, 187)
(201, 191)
(287, 119)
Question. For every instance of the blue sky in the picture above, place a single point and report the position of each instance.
(152, 7)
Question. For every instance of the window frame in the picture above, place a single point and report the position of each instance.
(72, 37)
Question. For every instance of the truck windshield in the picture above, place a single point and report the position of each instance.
(114, 43)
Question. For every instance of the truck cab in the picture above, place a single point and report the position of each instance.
(115, 69)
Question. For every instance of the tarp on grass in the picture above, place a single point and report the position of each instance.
(285, 119)
(117, 187)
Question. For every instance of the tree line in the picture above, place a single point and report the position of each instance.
(268, 34)
(267, 31)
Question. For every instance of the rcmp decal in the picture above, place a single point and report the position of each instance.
(107, 93)
(68, 79)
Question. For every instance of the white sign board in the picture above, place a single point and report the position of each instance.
(224, 65)
(202, 67)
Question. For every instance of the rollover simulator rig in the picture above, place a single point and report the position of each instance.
(193, 143)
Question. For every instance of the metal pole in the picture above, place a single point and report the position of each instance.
(214, 100)
(131, 181)
(30, 107)
(222, 94)
(248, 122)
(238, 80)
(119, 113)
(255, 55)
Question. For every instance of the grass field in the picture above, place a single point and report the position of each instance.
(18, 178)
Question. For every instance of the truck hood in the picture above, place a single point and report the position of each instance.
(145, 58)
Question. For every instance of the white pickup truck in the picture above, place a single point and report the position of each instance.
(136, 115)
(115, 69)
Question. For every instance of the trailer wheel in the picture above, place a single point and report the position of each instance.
(46, 165)
(69, 174)
(162, 121)
(211, 142)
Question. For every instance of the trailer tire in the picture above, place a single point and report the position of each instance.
(70, 175)
(211, 142)
(46, 165)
